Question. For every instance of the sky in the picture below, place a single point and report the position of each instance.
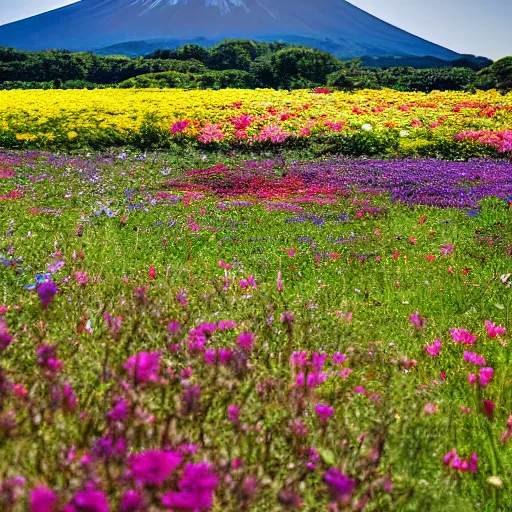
(466, 26)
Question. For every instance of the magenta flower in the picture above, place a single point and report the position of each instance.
(279, 282)
(69, 399)
(431, 409)
(493, 330)
(5, 337)
(47, 359)
(174, 327)
(43, 499)
(179, 126)
(225, 356)
(340, 486)
(463, 336)
(471, 357)
(210, 356)
(246, 341)
(196, 489)
(234, 413)
(90, 501)
(435, 348)
(419, 322)
(447, 249)
(471, 378)
(153, 467)
(225, 325)
(486, 374)
(132, 501)
(47, 291)
(324, 412)
(488, 407)
(287, 318)
(120, 410)
(81, 278)
(318, 362)
(360, 390)
(113, 323)
(338, 359)
(143, 367)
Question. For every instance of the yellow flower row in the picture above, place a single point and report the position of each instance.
(75, 115)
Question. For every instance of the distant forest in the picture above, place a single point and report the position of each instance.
(247, 64)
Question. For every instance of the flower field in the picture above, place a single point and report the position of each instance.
(447, 124)
(204, 331)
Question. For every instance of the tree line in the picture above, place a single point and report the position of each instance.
(243, 64)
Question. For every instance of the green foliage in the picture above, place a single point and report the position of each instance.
(276, 65)
(497, 76)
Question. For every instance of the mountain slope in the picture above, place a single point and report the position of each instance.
(93, 24)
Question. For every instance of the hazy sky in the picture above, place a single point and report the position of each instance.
(466, 26)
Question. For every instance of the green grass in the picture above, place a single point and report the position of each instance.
(372, 441)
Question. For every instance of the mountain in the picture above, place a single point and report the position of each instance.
(336, 25)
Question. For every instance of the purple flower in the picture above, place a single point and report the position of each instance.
(324, 412)
(132, 501)
(318, 362)
(43, 499)
(191, 400)
(340, 486)
(153, 467)
(174, 327)
(47, 291)
(47, 359)
(196, 489)
(143, 367)
(120, 410)
(90, 501)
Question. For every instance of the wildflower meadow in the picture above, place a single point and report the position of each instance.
(224, 312)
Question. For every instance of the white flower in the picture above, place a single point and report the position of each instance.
(367, 127)
(404, 133)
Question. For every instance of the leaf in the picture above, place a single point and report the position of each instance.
(327, 456)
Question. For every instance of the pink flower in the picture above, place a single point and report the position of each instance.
(227, 266)
(435, 348)
(419, 322)
(132, 501)
(431, 409)
(152, 272)
(324, 412)
(174, 327)
(340, 486)
(279, 282)
(344, 373)
(43, 499)
(246, 341)
(225, 325)
(153, 467)
(486, 374)
(463, 336)
(5, 337)
(471, 357)
(338, 359)
(179, 126)
(465, 410)
(91, 501)
(446, 250)
(493, 331)
(233, 413)
(143, 367)
(360, 390)
(471, 378)
(196, 488)
(81, 278)
(211, 133)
